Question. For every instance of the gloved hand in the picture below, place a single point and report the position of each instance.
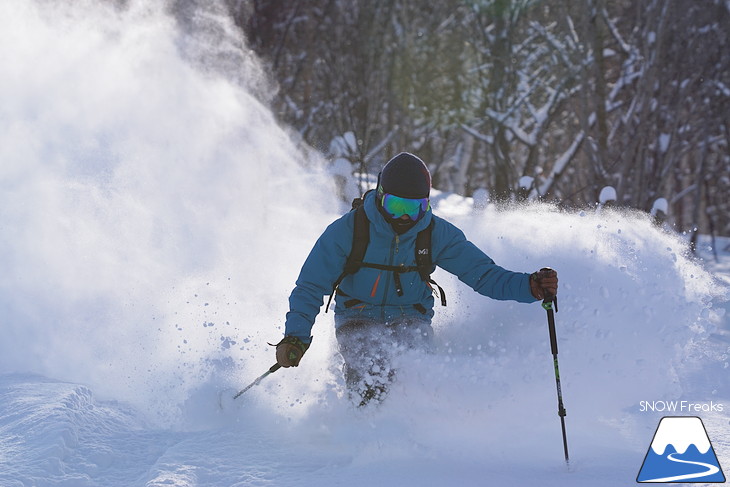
(289, 351)
(544, 283)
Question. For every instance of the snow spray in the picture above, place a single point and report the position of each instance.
(150, 201)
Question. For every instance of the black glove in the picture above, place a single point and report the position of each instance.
(544, 283)
(289, 351)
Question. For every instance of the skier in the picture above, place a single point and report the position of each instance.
(384, 304)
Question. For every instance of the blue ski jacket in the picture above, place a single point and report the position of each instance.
(375, 288)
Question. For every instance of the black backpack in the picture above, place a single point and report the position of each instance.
(360, 241)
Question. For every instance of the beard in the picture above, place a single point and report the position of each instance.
(401, 226)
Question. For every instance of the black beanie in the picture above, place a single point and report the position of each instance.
(406, 176)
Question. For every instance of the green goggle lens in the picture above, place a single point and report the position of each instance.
(396, 207)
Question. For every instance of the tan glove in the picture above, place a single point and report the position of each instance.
(544, 283)
(289, 351)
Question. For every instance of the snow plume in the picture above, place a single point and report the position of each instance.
(151, 209)
(635, 311)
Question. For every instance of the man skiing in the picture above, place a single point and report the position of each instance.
(384, 301)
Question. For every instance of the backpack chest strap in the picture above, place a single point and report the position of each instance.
(396, 270)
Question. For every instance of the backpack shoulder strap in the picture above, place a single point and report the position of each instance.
(360, 241)
(424, 261)
(423, 252)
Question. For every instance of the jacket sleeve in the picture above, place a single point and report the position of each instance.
(476, 269)
(321, 269)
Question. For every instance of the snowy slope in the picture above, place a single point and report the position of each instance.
(154, 218)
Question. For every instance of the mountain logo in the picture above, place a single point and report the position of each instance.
(681, 452)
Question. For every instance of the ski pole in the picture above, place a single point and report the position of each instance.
(548, 304)
(271, 370)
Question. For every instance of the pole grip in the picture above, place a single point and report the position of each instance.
(553, 335)
(549, 304)
(548, 296)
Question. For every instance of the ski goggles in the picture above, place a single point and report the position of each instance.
(396, 207)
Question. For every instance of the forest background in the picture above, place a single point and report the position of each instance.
(549, 99)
